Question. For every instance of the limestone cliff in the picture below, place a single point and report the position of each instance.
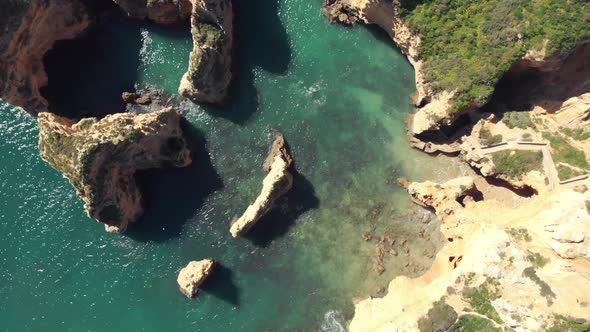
(503, 267)
(277, 182)
(209, 71)
(164, 12)
(32, 30)
(100, 158)
(193, 275)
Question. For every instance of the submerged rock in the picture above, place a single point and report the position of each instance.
(209, 71)
(278, 182)
(164, 12)
(28, 30)
(100, 158)
(192, 276)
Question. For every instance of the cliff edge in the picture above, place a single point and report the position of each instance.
(100, 158)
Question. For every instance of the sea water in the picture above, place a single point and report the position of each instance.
(339, 95)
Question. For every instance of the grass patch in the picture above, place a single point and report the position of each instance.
(546, 291)
(516, 163)
(537, 259)
(518, 119)
(565, 172)
(568, 324)
(520, 234)
(577, 134)
(563, 151)
(486, 137)
(472, 323)
(480, 298)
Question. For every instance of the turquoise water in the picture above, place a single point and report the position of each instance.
(340, 96)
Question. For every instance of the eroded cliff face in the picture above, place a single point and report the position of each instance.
(209, 71)
(100, 158)
(164, 12)
(24, 42)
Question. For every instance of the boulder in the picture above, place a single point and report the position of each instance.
(192, 276)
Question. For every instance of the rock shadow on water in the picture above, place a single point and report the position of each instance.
(86, 76)
(221, 285)
(173, 195)
(261, 41)
(277, 222)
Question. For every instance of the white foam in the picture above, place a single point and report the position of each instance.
(333, 322)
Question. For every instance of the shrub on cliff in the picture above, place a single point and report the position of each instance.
(467, 45)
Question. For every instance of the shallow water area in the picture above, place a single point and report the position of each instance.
(339, 95)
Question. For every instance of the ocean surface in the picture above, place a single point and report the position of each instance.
(340, 96)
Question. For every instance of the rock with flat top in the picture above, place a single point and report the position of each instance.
(192, 276)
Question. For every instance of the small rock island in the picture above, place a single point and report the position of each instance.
(100, 158)
(193, 275)
(277, 182)
(209, 70)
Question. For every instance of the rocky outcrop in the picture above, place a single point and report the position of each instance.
(444, 198)
(209, 71)
(192, 276)
(277, 182)
(164, 12)
(510, 253)
(34, 28)
(100, 158)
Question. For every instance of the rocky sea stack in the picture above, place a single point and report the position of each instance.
(100, 158)
(192, 276)
(209, 71)
(277, 182)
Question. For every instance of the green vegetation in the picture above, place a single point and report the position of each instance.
(472, 323)
(518, 119)
(587, 203)
(565, 172)
(537, 259)
(569, 324)
(527, 137)
(85, 124)
(209, 33)
(439, 318)
(486, 138)
(564, 152)
(467, 45)
(546, 290)
(480, 298)
(577, 134)
(516, 163)
(520, 234)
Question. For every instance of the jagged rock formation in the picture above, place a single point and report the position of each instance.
(192, 276)
(100, 158)
(164, 12)
(444, 198)
(32, 30)
(209, 71)
(277, 182)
